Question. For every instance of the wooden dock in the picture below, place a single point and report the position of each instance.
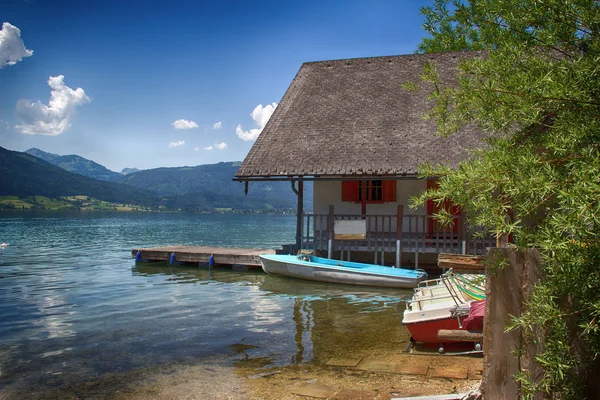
(223, 256)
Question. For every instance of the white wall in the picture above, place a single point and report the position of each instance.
(328, 193)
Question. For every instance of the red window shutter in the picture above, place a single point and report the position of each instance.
(349, 190)
(389, 191)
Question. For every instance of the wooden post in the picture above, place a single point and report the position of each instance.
(363, 197)
(463, 234)
(502, 241)
(507, 289)
(399, 219)
(457, 335)
(330, 226)
(301, 207)
(299, 213)
(308, 231)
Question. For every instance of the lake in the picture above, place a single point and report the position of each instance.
(78, 318)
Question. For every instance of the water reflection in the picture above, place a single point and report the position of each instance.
(75, 311)
(278, 286)
(303, 317)
(327, 319)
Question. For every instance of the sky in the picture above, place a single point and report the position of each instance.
(148, 84)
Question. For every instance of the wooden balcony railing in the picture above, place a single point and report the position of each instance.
(392, 234)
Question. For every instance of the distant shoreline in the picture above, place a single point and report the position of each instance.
(141, 210)
(88, 203)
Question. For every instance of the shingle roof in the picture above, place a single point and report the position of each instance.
(352, 118)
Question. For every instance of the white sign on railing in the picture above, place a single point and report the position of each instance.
(350, 229)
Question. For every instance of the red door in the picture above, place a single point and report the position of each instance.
(434, 228)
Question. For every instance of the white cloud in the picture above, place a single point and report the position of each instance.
(12, 48)
(260, 115)
(176, 144)
(184, 124)
(217, 125)
(54, 118)
(218, 146)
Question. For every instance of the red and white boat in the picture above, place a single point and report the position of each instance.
(454, 301)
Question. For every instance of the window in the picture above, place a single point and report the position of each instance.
(369, 191)
(373, 190)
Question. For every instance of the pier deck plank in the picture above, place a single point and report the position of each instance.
(201, 254)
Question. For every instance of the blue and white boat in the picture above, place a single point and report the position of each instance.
(314, 268)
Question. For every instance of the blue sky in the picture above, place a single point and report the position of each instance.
(133, 72)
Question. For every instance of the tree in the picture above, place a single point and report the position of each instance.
(534, 90)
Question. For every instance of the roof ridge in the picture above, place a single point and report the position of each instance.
(396, 56)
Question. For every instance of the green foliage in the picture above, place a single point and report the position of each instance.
(450, 28)
(13, 203)
(535, 92)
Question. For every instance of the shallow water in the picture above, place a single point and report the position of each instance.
(75, 308)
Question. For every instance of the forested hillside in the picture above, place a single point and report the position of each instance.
(77, 165)
(22, 174)
(200, 188)
(215, 181)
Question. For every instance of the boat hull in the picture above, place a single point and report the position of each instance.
(438, 304)
(346, 272)
(426, 331)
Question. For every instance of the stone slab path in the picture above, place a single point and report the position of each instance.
(430, 371)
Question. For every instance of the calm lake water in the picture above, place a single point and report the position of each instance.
(74, 307)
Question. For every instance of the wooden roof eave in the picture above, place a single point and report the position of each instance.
(273, 178)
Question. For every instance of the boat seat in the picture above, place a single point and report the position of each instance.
(463, 309)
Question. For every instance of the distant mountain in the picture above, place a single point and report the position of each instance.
(51, 158)
(200, 188)
(77, 165)
(215, 181)
(22, 174)
(127, 171)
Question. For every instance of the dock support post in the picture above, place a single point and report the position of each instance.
(299, 212)
(330, 228)
(399, 223)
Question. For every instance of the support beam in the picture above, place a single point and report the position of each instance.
(330, 227)
(462, 264)
(399, 220)
(457, 335)
(299, 212)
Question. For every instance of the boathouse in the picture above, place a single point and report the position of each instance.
(351, 128)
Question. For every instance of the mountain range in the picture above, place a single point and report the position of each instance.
(77, 165)
(23, 175)
(203, 187)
